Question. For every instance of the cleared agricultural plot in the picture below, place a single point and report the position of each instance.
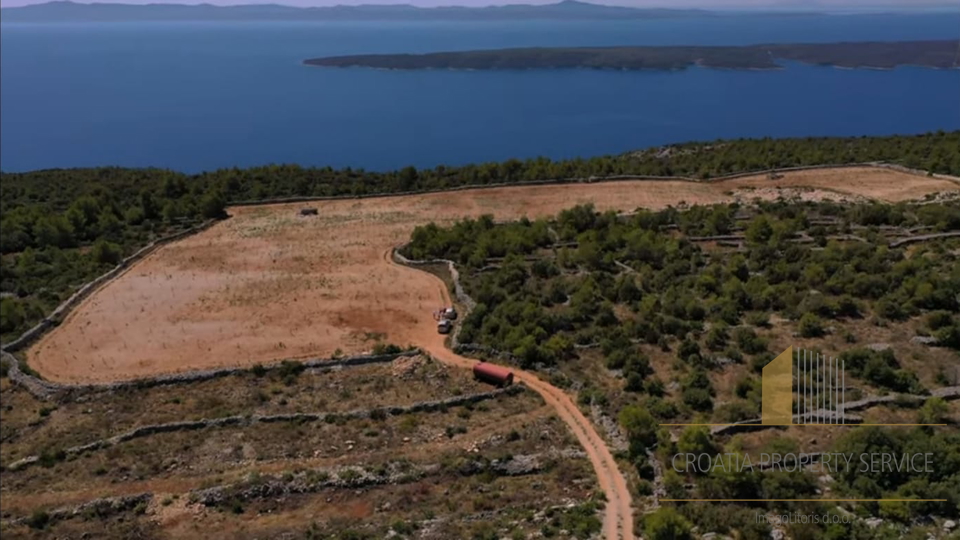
(269, 283)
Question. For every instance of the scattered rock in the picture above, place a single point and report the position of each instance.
(923, 340)
(873, 522)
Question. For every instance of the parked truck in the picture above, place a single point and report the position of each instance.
(493, 374)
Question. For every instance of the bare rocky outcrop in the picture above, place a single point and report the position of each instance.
(259, 487)
(615, 436)
(659, 488)
(353, 477)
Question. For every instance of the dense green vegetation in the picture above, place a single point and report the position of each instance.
(61, 228)
(557, 293)
(728, 481)
(887, 54)
(705, 303)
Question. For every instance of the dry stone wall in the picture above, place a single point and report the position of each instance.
(241, 420)
(587, 180)
(50, 390)
(58, 314)
(353, 477)
(948, 393)
(103, 507)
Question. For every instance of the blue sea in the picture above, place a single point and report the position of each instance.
(200, 96)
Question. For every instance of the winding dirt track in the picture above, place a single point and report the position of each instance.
(268, 284)
(618, 514)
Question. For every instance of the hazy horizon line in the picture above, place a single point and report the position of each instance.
(745, 5)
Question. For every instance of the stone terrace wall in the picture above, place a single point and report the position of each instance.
(586, 180)
(58, 314)
(948, 393)
(496, 185)
(461, 295)
(46, 389)
(107, 506)
(241, 420)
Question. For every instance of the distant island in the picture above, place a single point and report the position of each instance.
(63, 11)
(879, 55)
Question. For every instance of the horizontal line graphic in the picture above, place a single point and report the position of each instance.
(806, 425)
(803, 500)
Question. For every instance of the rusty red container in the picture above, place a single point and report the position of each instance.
(492, 374)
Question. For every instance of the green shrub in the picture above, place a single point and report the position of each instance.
(640, 427)
(949, 336)
(810, 326)
(654, 387)
(49, 458)
(666, 524)
(939, 319)
(258, 370)
(289, 370)
(387, 348)
(749, 342)
(760, 319)
(38, 520)
(697, 399)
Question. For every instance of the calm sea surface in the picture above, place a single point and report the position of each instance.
(196, 96)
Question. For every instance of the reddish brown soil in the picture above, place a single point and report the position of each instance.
(268, 284)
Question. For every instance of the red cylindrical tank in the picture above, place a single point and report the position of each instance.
(492, 374)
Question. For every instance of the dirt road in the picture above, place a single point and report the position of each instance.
(269, 284)
(618, 514)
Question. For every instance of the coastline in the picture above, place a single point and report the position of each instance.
(779, 67)
(873, 55)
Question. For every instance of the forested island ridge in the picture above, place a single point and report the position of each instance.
(940, 54)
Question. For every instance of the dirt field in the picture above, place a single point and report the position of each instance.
(269, 284)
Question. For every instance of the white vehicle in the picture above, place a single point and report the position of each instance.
(444, 326)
